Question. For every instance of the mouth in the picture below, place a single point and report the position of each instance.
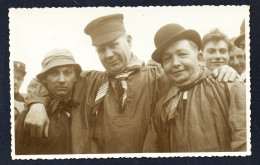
(62, 88)
(218, 62)
(112, 62)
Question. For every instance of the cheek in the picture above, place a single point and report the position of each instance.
(166, 67)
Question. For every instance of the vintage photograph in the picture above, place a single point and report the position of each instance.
(111, 82)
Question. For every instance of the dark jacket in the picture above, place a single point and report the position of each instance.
(214, 119)
(111, 130)
(58, 141)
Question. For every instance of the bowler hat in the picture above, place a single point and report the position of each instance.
(20, 67)
(105, 29)
(57, 57)
(242, 34)
(169, 34)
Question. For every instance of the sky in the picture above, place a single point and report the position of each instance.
(33, 32)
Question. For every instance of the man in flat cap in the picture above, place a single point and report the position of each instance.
(59, 72)
(19, 73)
(115, 106)
(198, 114)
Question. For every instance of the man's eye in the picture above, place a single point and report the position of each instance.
(183, 54)
(231, 58)
(211, 51)
(223, 51)
(167, 59)
(53, 73)
(240, 57)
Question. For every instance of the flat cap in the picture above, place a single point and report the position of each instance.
(20, 67)
(57, 57)
(105, 29)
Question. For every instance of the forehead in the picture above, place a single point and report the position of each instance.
(220, 43)
(178, 46)
(62, 68)
(236, 51)
(117, 40)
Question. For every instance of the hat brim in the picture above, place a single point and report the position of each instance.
(187, 34)
(238, 40)
(56, 63)
(108, 37)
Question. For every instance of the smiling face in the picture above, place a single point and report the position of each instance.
(60, 80)
(116, 54)
(180, 63)
(215, 54)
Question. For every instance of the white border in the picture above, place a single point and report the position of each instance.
(147, 155)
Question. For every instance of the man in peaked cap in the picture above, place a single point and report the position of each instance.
(198, 114)
(19, 73)
(115, 106)
(59, 72)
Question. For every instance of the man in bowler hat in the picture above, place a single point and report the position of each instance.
(59, 72)
(19, 73)
(115, 106)
(198, 113)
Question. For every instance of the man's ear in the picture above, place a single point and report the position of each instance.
(129, 40)
(201, 59)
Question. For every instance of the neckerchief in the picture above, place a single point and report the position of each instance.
(175, 94)
(134, 65)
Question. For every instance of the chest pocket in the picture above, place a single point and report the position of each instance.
(122, 121)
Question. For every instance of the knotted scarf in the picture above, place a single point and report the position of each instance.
(134, 65)
(171, 104)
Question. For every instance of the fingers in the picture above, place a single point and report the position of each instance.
(239, 78)
(232, 77)
(227, 76)
(221, 75)
(46, 128)
(215, 73)
(38, 131)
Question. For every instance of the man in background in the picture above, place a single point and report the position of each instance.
(237, 60)
(19, 73)
(240, 40)
(215, 48)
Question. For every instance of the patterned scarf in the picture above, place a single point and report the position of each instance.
(170, 105)
(134, 65)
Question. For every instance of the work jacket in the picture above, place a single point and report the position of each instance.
(211, 119)
(109, 128)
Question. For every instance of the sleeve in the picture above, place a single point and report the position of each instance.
(36, 93)
(153, 140)
(158, 83)
(22, 138)
(237, 116)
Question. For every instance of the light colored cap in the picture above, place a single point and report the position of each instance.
(55, 58)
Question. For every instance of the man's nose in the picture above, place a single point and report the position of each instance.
(218, 55)
(109, 53)
(175, 61)
(236, 62)
(61, 78)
